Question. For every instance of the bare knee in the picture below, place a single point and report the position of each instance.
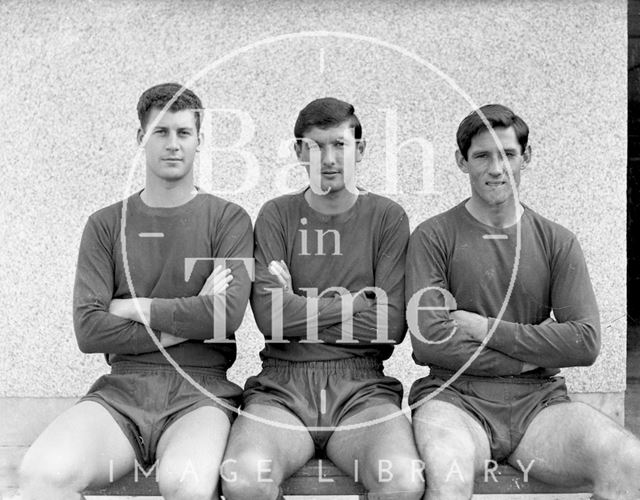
(395, 477)
(449, 458)
(184, 482)
(186, 489)
(617, 463)
(249, 475)
(43, 475)
(445, 450)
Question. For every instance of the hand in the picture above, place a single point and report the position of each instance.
(167, 340)
(126, 308)
(361, 302)
(527, 367)
(281, 272)
(119, 307)
(471, 324)
(217, 282)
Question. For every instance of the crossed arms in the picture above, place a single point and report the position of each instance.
(448, 339)
(273, 297)
(105, 325)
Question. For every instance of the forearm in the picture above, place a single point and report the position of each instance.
(376, 324)
(438, 340)
(281, 314)
(101, 332)
(202, 317)
(199, 318)
(476, 360)
(574, 338)
(549, 345)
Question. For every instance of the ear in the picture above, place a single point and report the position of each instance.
(297, 147)
(526, 156)
(461, 162)
(361, 145)
(200, 141)
(139, 136)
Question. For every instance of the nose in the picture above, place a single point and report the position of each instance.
(328, 157)
(496, 166)
(172, 142)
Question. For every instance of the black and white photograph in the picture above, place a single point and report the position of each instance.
(305, 250)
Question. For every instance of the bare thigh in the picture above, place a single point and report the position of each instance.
(383, 455)
(442, 429)
(190, 450)
(83, 447)
(567, 443)
(267, 443)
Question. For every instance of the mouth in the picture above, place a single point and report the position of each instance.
(495, 183)
(172, 159)
(330, 173)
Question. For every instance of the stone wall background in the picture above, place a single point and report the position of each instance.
(72, 74)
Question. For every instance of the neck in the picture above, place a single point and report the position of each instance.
(160, 193)
(501, 216)
(331, 203)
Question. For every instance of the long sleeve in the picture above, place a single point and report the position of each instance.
(433, 338)
(198, 317)
(389, 277)
(270, 305)
(98, 331)
(574, 340)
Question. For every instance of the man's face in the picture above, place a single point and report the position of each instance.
(337, 152)
(488, 174)
(172, 144)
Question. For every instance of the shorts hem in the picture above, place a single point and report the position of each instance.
(122, 421)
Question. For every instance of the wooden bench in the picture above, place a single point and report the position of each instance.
(321, 478)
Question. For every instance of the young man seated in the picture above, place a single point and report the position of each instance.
(491, 343)
(329, 298)
(146, 278)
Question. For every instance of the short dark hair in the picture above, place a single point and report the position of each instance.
(498, 116)
(324, 113)
(158, 96)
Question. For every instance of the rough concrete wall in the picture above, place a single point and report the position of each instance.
(72, 73)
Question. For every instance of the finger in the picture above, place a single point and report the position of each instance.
(221, 290)
(217, 272)
(213, 280)
(282, 280)
(210, 279)
(222, 285)
(275, 267)
(220, 277)
(285, 269)
(278, 273)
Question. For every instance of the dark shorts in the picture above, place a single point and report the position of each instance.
(323, 393)
(504, 406)
(146, 399)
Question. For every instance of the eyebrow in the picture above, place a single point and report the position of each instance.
(309, 142)
(164, 127)
(506, 150)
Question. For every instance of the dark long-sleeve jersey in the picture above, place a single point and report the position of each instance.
(169, 255)
(474, 262)
(362, 247)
